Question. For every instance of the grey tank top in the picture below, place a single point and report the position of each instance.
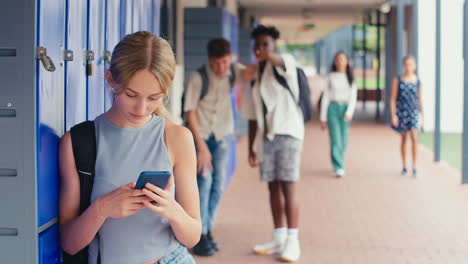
(122, 153)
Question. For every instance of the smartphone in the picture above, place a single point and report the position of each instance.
(158, 178)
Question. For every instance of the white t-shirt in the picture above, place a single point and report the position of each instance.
(338, 89)
(283, 116)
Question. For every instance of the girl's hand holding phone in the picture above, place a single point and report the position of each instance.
(162, 200)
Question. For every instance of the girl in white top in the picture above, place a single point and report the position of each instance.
(337, 108)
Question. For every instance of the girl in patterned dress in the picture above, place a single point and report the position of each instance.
(406, 109)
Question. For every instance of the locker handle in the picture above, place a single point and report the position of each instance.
(107, 56)
(46, 60)
(4, 231)
(8, 172)
(89, 62)
(7, 112)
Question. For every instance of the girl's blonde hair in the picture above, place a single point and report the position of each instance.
(139, 51)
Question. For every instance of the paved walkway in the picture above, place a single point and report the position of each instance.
(373, 215)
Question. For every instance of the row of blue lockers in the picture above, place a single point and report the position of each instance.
(76, 38)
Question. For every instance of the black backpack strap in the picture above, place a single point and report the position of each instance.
(232, 77)
(83, 137)
(205, 81)
(281, 80)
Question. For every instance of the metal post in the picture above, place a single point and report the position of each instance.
(318, 57)
(465, 99)
(416, 32)
(377, 114)
(164, 23)
(388, 65)
(438, 83)
(353, 40)
(400, 33)
(364, 59)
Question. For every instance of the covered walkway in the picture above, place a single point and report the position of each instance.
(373, 215)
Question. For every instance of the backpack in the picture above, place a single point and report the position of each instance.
(305, 102)
(83, 137)
(205, 85)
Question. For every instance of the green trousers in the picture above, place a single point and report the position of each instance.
(338, 130)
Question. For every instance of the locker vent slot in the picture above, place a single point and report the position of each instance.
(7, 52)
(8, 231)
(8, 172)
(7, 112)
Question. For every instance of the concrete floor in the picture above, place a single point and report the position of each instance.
(373, 215)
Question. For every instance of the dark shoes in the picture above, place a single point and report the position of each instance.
(206, 247)
(213, 243)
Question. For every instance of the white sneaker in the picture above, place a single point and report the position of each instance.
(272, 247)
(292, 250)
(340, 173)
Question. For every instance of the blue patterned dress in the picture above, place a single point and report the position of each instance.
(407, 106)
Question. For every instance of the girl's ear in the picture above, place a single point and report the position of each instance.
(109, 79)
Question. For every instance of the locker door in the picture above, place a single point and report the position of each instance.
(126, 17)
(96, 33)
(156, 18)
(75, 72)
(142, 15)
(50, 125)
(112, 38)
(50, 107)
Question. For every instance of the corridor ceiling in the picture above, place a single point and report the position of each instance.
(294, 17)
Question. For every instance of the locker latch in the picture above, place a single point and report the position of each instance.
(68, 55)
(107, 56)
(41, 54)
(89, 62)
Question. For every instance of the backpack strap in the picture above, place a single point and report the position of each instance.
(205, 81)
(281, 80)
(232, 77)
(83, 137)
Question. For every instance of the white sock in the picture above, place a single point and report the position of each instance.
(293, 232)
(280, 233)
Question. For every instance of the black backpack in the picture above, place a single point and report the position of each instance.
(83, 137)
(305, 102)
(205, 84)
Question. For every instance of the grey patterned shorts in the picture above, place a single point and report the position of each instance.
(281, 159)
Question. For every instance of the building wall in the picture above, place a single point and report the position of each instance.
(451, 64)
(426, 63)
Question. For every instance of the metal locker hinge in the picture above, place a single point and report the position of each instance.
(41, 54)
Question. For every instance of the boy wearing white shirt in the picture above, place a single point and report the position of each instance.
(276, 133)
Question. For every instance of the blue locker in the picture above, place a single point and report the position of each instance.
(231, 167)
(49, 249)
(50, 98)
(50, 125)
(112, 33)
(234, 38)
(75, 73)
(126, 17)
(95, 82)
(142, 14)
(156, 18)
